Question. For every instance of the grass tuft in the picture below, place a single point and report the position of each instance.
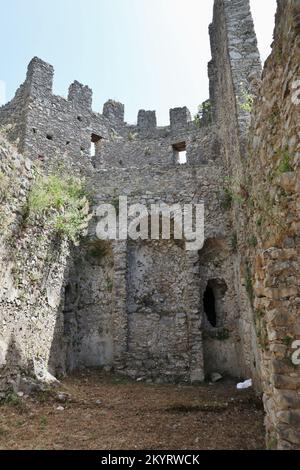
(64, 200)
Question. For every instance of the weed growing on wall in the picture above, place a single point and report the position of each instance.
(285, 164)
(247, 100)
(63, 200)
(204, 114)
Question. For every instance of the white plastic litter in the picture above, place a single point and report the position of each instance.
(244, 385)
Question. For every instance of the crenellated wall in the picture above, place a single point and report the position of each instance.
(47, 127)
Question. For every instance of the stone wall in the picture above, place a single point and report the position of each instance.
(48, 127)
(273, 168)
(102, 319)
(160, 148)
(89, 307)
(164, 337)
(142, 307)
(33, 268)
(263, 198)
(234, 73)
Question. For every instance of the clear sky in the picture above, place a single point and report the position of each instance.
(148, 54)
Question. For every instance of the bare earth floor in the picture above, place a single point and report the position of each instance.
(108, 412)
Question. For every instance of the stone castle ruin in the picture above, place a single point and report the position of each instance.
(149, 308)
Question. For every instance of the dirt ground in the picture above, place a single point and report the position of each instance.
(93, 410)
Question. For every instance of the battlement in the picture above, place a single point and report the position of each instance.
(39, 79)
(114, 112)
(179, 117)
(46, 124)
(81, 96)
(146, 121)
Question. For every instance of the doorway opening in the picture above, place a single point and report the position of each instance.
(213, 302)
(209, 304)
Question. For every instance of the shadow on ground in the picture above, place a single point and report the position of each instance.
(93, 410)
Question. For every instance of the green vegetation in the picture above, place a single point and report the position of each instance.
(197, 120)
(287, 340)
(43, 421)
(233, 191)
(204, 112)
(63, 200)
(131, 136)
(12, 399)
(275, 115)
(270, 221)
(272, 443)
(259, 221)
(285, 164)
(223, 334)
(99, 248)
(113, 135)
(246, 104)
(226, 199)
(252, 241)
(34, 277)
(110, 285)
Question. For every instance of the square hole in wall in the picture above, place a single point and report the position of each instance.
(179, 151)
(95, 141)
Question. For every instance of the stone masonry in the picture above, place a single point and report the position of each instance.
(151, 309)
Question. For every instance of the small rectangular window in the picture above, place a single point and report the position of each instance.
(179, 151)
(95, 141)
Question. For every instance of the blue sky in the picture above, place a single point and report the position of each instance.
(148, 54)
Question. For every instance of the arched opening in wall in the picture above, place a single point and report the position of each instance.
(213, 302)
(179, 152)
(95, 143)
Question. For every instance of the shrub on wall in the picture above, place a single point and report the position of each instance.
(63, 200)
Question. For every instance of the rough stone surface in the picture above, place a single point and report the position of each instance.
(139, 306)
(273, 219)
